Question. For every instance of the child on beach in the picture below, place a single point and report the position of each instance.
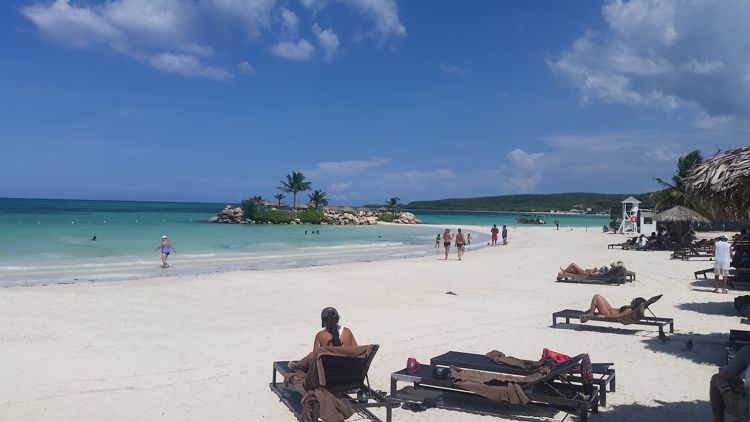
(437, 241)
(505, 235)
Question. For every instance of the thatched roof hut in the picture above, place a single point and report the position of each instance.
(678, 213)
(724, 183)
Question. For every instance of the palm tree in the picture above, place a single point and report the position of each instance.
(279, 196)
(674, 193)
(294, 183)
(318, 197)
(393, 204)
(258, 199)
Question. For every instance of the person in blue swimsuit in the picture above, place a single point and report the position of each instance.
(166, 249)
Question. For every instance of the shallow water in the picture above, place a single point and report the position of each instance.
(49, 241)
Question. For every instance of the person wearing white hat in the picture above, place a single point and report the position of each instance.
(722, 260)
(166, 249)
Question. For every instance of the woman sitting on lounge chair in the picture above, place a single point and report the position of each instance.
(600, 307)
(332, 334)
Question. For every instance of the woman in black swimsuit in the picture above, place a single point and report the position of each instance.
(460, 243)
(447, 237)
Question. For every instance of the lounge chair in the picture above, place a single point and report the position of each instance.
(737, 340)
(548, 390)
(695, 250)
(340, 371)
(604, 373)
(614, 276)
(636, 318)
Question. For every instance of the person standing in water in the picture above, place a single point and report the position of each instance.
(437, 241)
(166, 249)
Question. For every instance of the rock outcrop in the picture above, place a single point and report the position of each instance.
(333, 216)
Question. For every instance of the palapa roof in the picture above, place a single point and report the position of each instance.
(723, 181)
(679, 213)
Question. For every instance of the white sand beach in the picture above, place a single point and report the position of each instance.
(200, 348)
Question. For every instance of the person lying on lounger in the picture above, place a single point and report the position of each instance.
(575, 269)
(332, 333)
(600, 308)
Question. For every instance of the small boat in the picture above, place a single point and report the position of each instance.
(531, 219)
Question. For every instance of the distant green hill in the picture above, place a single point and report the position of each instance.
(598, 202)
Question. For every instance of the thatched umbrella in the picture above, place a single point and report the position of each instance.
(724, 183)
(678, 213)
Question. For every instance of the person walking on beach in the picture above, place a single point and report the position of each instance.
(557, 224)
(468, 239)
(437, 241)
(722, 260)
(460, 244)
(505, 234)
(166, 249)
(494, 232)
(447, 237)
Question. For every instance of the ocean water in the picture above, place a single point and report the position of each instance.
(49, 241)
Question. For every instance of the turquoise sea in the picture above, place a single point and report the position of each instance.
(46, 241)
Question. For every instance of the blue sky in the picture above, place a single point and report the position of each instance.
(217, 100)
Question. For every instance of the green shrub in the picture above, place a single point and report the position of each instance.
(387, 218)
(275, 216)
(249, 208)
(311, 216)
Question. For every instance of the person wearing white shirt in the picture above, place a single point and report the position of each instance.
(722, 259)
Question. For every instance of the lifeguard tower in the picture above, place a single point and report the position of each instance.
(629, 215)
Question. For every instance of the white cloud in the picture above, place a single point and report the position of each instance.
(314, 5)
(452, 69)
(163, 33)
(383, 13)
(350, 167)
(186, 65)
(667, 55)
(289, 22)
(246, 68)
(301, 50)
(526, 168)
(338, 190)
(328, 41)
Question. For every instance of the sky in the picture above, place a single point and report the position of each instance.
(218, 100)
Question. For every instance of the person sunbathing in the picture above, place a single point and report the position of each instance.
(600, 308)
(575, 269)
(332, 334)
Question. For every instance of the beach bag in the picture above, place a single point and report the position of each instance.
(558, 357)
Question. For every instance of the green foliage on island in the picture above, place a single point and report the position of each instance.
(311, 216)
(386, 218)
(249, 208)
(598, 202)
(274, 216)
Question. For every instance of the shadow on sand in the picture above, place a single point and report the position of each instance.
(660, 411)
(707, 348)
(710, 308)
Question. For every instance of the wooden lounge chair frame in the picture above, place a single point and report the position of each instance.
(582, 279)
(604, 373)
(545, 391)
(652, 321)
(346, 379)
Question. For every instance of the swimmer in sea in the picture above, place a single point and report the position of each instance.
(166, 249)
(93, 238)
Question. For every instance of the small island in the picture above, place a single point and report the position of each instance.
(255, 210)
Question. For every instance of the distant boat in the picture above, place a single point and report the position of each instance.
(531, 219)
